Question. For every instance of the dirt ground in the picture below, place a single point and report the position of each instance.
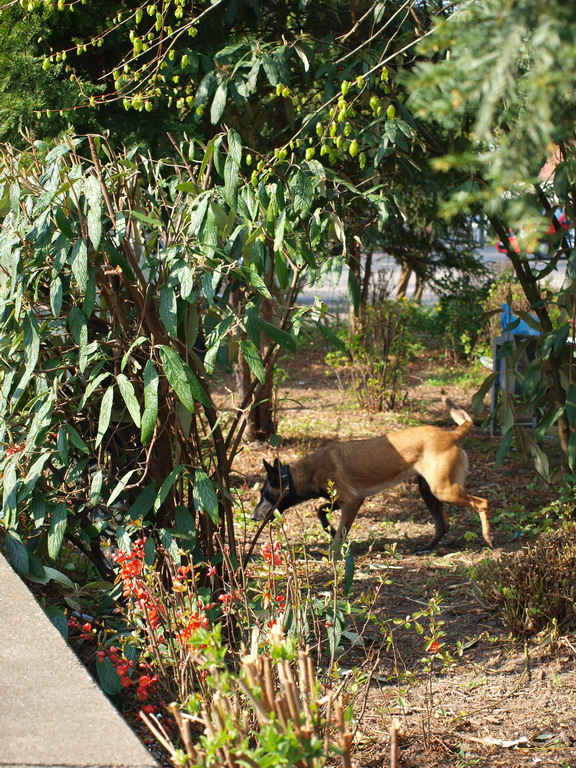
(501, 702)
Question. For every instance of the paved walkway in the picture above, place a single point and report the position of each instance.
(52, 714)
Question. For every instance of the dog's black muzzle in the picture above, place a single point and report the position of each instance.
(276, 498)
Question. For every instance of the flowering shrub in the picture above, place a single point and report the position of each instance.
(177, 643)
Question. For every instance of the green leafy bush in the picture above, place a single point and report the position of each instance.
(534, 589)
(124, 285)
(457, 323)
(375, 365)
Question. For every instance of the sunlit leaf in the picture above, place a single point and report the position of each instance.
(58, 521)
(204, 495)
(129, 396)
(150, 415)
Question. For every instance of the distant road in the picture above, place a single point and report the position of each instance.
(336, 295)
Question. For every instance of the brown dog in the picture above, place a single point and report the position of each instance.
(361, 468)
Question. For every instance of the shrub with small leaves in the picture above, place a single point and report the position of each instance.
(533, 589)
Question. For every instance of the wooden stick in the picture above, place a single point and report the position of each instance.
(394, 730)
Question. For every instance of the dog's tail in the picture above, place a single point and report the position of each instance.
(461, 417)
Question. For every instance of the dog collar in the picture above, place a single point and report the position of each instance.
(286, 484)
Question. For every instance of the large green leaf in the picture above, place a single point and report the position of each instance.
(57, 529)
(17, 553)
(280, 226)
(30, 353)
(58, 619)
(252, 358)
(478, 398)
(204, 495)
(120, 486)
(150, 415)
(282, 338)
(144, 502)
(235, 146)
(96, 487)
(504, 447)
(571, 405)
(128, 394)
(10, 486)
(79, 263)
(186, 528)
(77, 325)
(166, 486)
(168, 309)
(105, 414)
(572, 451)
(231, 175)
(354, 291)
(75, 438)
(93, 384)
(218, 102)
(170, 544)
(335, 340)
(254, 279)
(93, 193)
(63, 446)
(34, 473)
(56, 295)
(199, 212)
(182, 379)
(108, 677)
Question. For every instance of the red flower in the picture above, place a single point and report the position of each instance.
(12, 449)
(271, 553)
(126, 681)
(196, 621)
(434, 646)
(183, 571)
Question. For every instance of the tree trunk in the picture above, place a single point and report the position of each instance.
(419, 290)
(355, 267)
(260, 417)
(405, 274)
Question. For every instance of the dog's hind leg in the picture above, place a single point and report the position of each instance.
(438, 515)
(455, 494)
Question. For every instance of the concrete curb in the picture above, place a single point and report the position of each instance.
(52, 713)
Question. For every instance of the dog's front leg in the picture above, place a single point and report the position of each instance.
(347, 516)
(322, 513)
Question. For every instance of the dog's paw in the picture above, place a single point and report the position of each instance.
(422, 551)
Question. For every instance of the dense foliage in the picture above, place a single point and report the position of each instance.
(126, 286)
(504, 75)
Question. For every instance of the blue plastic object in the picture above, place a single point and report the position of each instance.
(513, 324)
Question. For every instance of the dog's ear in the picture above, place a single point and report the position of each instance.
(270, 471)
(277, 467)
